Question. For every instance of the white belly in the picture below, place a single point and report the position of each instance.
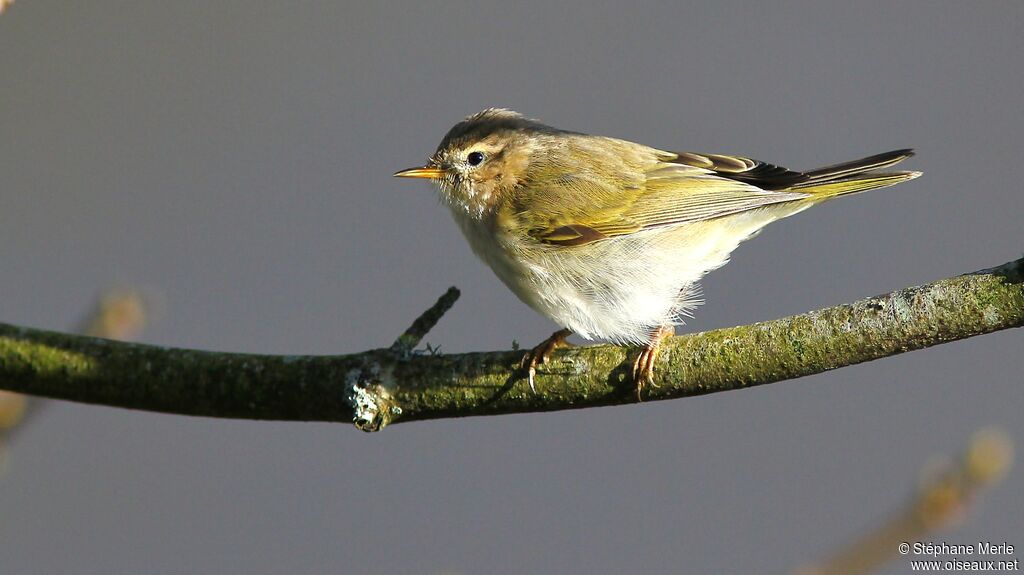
(619, 289)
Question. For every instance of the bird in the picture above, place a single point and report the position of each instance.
(609, 238)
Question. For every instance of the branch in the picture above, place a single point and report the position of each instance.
(419, 329)
(942, 500)
(118, 314)
(383, 386)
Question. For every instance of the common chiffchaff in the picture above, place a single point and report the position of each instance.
(607, 237)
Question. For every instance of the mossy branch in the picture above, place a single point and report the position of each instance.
(390, 385)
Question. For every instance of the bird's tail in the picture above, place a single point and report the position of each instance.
(856, 176)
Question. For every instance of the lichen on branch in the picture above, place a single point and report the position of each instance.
(403, 386)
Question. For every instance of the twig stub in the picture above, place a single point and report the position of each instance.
(408, 341)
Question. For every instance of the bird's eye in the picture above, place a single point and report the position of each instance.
(475, 158)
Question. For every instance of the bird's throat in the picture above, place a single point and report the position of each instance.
(475, 199)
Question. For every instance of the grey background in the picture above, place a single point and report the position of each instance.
(237, 156)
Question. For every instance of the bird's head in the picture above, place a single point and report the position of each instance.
(482, 158)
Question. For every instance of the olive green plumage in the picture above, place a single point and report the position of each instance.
(609, 237)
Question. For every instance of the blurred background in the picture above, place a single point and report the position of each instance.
(236, 157)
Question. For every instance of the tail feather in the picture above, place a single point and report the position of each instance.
(862, 183)
(856, 176)
(847, 169)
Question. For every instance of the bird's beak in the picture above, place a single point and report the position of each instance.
(428, 172)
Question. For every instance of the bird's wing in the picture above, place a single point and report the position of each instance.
(581, 208)
(754, 172)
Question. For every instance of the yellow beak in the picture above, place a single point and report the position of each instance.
(428, 172)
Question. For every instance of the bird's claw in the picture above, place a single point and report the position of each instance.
(643, 365)
(542, 353)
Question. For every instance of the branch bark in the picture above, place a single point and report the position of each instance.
(390, 385)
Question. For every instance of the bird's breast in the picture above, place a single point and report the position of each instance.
(500, 248)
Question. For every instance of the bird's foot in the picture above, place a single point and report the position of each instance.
(643, 365)
(542, 353)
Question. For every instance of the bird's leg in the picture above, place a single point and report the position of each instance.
(643, 365)
(542, 353)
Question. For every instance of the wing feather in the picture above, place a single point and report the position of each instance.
(639, 188)
(670, 193)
